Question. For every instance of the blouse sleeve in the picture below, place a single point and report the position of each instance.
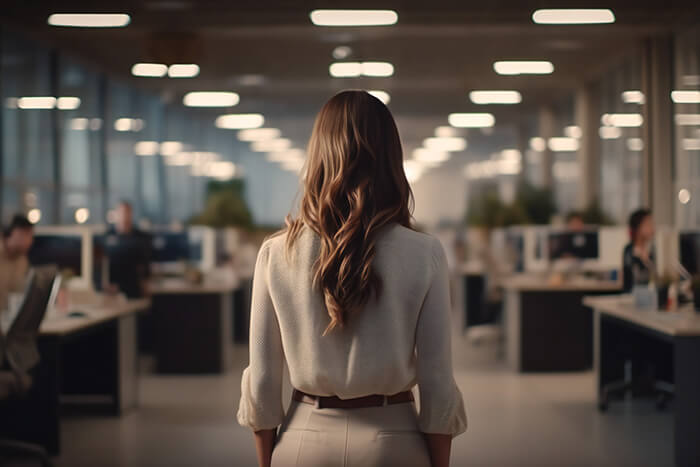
(260, 406)
(441, 405)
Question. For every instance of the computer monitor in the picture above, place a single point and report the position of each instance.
(689, 251)
(171, 247)
(573, 245)
(68, 248)
(515, 243)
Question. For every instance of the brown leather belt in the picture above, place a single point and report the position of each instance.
(334, 402)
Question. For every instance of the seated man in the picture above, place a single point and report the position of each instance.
(16, 241)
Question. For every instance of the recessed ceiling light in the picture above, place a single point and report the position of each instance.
(495, 97)
(633, 97)
(635, 144)
(523, 67)
(151, 70)
(271, 145)
(684, 196)
(538, 144)
(146, 148)
(573, 131)
(353, 17)
(342, 52)
(180, 159)
(259, 134)
(89, 20)
(691, 144)
(36, 102)
(609, 132)
(573, 16)
(345, 69)
(622, 120)
(211, 99)
(381, 95)
(685, 97)
(183, 70)
(471, 120)
(450, 144)
(443, 131)
(430, 156)
(170, 148)
(240, 121)
(687, 119)
(377, 69)
(559, 144)
(68, 103)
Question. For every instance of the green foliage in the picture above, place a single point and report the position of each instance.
(594, 215)
(225, 206)
(538, 203)
(531, 206)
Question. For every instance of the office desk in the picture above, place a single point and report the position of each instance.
(193, 326)
(90, 361)
(547, 327)
(680, 331)
(473, 282)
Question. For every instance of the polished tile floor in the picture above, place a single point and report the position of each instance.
(514, 420)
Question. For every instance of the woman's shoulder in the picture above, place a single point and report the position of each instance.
(414, 241)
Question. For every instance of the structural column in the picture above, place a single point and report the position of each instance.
(587, 118)
(547, 129)
(657, 74)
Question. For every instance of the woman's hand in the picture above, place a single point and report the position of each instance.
(264, 442)
(439, 447)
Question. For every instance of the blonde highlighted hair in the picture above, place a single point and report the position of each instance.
(354, 184)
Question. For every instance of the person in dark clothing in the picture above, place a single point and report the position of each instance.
(638, 259)
(129, 253)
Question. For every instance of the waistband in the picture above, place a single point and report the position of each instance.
(334, 402)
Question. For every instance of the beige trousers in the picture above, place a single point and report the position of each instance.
(385, 436)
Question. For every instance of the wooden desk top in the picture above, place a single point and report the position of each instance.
(181, 286)
(683, 322)
(535, 283)
(59, 324)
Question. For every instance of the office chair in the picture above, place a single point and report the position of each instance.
(19, 354)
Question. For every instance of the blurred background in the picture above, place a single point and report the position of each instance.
(152, 145)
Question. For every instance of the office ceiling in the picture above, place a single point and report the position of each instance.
(269, 52)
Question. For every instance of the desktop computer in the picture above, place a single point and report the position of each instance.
(573, 245)
(63, 251)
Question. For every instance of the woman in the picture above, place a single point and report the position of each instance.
(357, 304)
(638, 258)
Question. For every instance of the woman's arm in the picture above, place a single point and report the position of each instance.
(439, 448)
(264, 442)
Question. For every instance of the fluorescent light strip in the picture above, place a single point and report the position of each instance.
(150, 70)
(633, 97)
(635, 144)
(68, 103)
(622, 120)
(523, 67)
(89, 20)
(495, 97)
(691, 144)
(381, 95)
(471, 120)
(272, 145)
(573, 131)
(687, 119)
(538, 144)
(211, 99)
(182, 70)
(240, 121)
(37, 102)
(258, 134)
(450, 144)
(685, 97)
(430, 157)
(573, 16)
(170, 148)
(609, 132)
(146, 148)
(559, 144)
(353, 17)
(357, 69)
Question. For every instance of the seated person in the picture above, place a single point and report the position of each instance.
(17, 239)
(638, 259)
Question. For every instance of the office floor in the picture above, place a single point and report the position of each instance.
(537, 420)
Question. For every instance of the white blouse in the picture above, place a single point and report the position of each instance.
(399, 339)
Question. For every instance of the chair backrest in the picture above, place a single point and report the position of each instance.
(20, 344)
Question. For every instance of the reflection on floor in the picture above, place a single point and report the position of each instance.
(537, 420)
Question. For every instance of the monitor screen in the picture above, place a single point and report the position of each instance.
(689, 249)
(171, 247)
(574, 245)
(64, 251)
(515, 243)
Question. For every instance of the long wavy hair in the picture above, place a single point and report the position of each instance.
(354, 184)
